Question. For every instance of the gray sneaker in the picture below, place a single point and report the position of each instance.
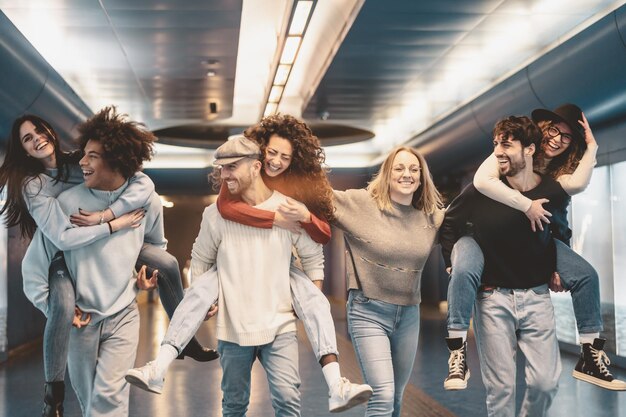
(344, 395)
(146, 378)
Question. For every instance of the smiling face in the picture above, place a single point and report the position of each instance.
(96, 171)
(278, 154)
(510, 155)
(405, 177)
(556, 145)
(36, 141)
(238, 176)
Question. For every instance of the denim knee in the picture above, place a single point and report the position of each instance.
(62, 298)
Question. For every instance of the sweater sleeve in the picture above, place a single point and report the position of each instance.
(578, 181)
(453, 226)
(311, 256)
(35, 271)
(239, 212)
(54, 222)
(318, 229)
(487, 181)
(136, 195)
(204, 250)
(154, 233)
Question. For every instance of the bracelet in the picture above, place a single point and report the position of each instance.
(110, 228)
(102, 217)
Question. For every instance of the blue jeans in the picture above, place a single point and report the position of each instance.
(506, 319)
(170, 283)
(385, 339)
(280, 361)
(61, 302)
(577, 275)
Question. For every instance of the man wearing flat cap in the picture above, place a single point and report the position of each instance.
(255, 318)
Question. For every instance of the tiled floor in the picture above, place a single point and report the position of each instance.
(192, 389)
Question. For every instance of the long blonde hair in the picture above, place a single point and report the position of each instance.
(425, 198)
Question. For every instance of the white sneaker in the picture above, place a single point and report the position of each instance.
(344, 395)
(146, 378)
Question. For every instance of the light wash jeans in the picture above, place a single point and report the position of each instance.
(309, 303)
(99, 356)
(385, 339)
(62, 300)
(506, 319)
(577, 275)
(280, 361)
(56, 335)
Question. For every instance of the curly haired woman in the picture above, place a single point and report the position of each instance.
(293, 165)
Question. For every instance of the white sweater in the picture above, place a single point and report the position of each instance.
(253, 270)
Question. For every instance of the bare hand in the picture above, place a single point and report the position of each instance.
(128, 221)
(449, 270)
(212, 311)
(91, 218)
(143, 283)
(537, 214)
(284, 223)
(295, 211)
(589, 138)
(80, 318)
(555, 283)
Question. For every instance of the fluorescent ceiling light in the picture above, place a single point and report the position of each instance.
(275, 93)
(282, 73)
(270, 109)
(290, 50)
(300, 17)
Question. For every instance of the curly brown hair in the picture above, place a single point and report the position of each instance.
(306, 175)
(565, 163)
(126, 143)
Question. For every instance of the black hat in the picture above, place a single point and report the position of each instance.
(569, 114)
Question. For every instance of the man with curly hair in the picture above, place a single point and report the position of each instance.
(102, 349)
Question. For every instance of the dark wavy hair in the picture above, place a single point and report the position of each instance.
(306, 175)
(520, 128)
(19, 168)
(565, 163)
(126, 143)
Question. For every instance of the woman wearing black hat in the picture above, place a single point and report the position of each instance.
(567, 153)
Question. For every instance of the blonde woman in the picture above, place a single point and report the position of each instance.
(390, 228)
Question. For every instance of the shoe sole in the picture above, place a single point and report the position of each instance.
(456, 384)
(598, 382)
(360, 398)
(138, 381)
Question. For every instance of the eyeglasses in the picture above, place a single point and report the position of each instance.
(554, 131)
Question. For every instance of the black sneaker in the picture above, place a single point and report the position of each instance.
(458, 373)
(592, 367)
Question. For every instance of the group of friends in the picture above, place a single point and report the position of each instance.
(96, 225)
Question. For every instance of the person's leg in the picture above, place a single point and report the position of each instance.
(537, 340)
(494, 327)
(185, 322)
(467, 268)
(82, 362)
(236, 362)
(171, 293)
(404, 339)
(118, 347)
(581, 279)
(313, 308)
(280, 361)
(61, 301)
(369, 323)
